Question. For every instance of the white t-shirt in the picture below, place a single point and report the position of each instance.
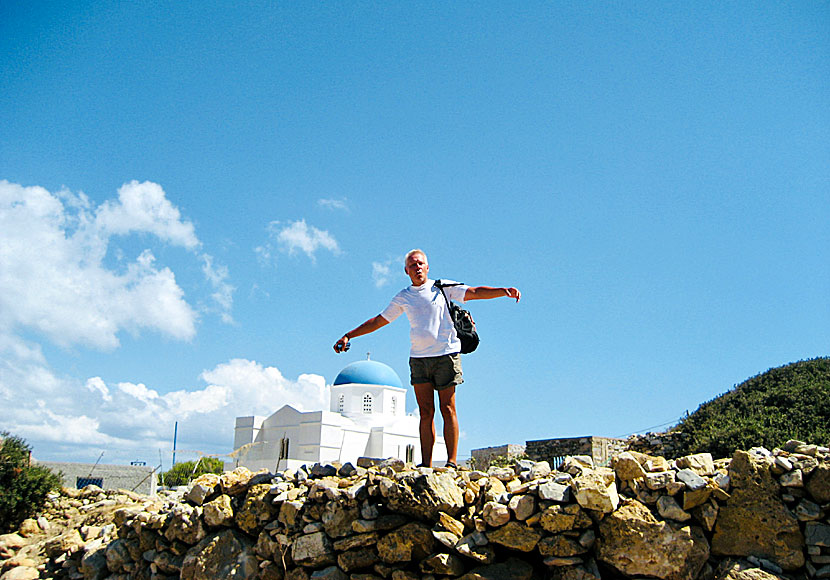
(431, 331)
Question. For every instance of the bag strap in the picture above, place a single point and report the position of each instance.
(441, 285)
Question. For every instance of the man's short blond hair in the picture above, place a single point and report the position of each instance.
(415, 251)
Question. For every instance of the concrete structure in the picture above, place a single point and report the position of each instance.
(366, 418)
(554, 451)
(482, 457)
(138, 478)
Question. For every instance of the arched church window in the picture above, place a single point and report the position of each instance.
(341, 403)
(367, 404)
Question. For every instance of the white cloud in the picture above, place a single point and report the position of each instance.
(131, 421)
(296, 236)
(97, 384)
(217, 275)
(384, 272)
(300, 236)
(144, 207)
(334, 204)
(53, 278)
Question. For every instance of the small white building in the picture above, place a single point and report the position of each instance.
(366, 418)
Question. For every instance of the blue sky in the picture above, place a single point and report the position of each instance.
(198, 199)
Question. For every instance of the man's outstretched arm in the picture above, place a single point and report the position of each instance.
(370, 325)
(488, 292)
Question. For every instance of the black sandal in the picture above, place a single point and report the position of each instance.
(451, 465)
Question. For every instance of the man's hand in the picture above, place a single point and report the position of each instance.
(342, 345)
(513, 293)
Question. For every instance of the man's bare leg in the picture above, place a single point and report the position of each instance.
(446, 400)
(425, 395)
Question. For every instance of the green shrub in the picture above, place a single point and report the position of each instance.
(183, 473)
(788, 402)
(23, 487)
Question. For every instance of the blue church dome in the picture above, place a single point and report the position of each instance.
(368, 372)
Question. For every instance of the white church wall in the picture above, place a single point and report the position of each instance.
(246, 430)
(341, 433)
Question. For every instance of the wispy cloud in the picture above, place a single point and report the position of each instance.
(334, 204)
(217, 275)
(296, 236)
(384, 272)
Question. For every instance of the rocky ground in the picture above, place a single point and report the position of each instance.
(759, 515)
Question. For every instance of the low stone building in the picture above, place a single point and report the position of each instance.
(138, 478)
(482, 457)
(554, 451)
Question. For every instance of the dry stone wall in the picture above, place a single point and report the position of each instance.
(759, 515)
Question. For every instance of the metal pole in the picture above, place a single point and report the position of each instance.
(175, 435)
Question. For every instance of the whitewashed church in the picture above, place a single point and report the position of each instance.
(366, 418)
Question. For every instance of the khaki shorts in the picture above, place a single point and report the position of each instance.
(442, 371)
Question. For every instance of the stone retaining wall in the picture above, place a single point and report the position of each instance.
(756, 516)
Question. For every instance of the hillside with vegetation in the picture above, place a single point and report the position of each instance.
(788, 402)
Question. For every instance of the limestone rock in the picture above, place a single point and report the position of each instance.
(424, 495)
(627, 467)
(659, 480)
(522, 506)
(185, 524)
(357, 559)
(563, 518)
(818, 485)
(12, 541)
(593, 491)
(495, 514)
(330, 573)
(313, 550)
(634, 542)
(742, 570)
(413, 541)
(503, 474)
(290, 513)
(202, 487)
(94, 561)
(512, 569)
(218, 512)
(560, 546)
(753, 522)
(28, 527)
(669, 509)
(516, 536)
(451, 524)
(63, 543)
(256, 509)
(21, 573)
(818, 534)
(443, 564)
(695, 497)
(226, 554)
(700, 463)
(117, 555)
(552, 491)
(476, 547)
(691, 479)
(707, 515)
(236, 481)
(338, 517)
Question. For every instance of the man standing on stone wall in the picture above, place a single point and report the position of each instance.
(435, 353)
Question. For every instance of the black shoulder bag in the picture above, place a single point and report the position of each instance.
(465, 327)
